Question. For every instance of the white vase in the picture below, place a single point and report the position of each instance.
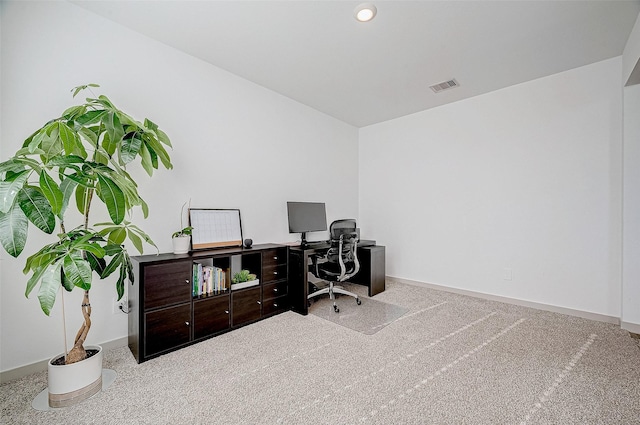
(181, 244)
(71, 383)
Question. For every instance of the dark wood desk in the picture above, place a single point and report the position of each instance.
(371, 274)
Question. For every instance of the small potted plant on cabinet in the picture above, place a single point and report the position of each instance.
(181, 240)
(243, 279)
(73, 162)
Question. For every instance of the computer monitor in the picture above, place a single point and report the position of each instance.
(306, 217)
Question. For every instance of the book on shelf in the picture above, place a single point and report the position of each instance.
(208, 279)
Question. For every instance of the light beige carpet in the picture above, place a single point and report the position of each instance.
(451, 359)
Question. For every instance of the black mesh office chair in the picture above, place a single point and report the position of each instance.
(340, 262)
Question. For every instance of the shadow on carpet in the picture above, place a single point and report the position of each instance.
(368, 317)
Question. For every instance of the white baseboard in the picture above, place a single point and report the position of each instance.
(539, 306)
(19, 372)
(631, 327)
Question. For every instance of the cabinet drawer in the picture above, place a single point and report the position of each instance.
(274, 290)
(167, 328)
(275, 305)
(246, 305)
(210, 316)
(167, 284)
(274, 257)
(271, 273)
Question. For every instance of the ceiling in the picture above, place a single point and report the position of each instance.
(316, 53)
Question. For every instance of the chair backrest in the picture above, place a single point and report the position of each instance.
(344, 244)
(338, 226)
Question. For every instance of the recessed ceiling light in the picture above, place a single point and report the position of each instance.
(365, 12)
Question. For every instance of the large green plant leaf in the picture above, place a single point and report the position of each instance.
(136, 240)
(71, 141)
(91, 117)
(66, 187)
(74, 112)
(52, 192)
(13, 164)
(35, 140)
(117, 261)
(129, 149)
(98, 264)
(117, 234)
(66, 283)
(162, 136)
(145, 159)
(159, 150)
(78, 271)
(121, 279)
(142, 234)
(35, 278)
(51, 143)
(127, 186)
(113, 127)
(108, 145)
(83, 195)
(88, 134)
(10, 188)
(71, 161)
(47, 255)
(113, 197)
(37, 208)
(153, 155)
(13, 230)
(49, 285)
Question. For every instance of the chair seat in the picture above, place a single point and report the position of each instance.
(331, 271)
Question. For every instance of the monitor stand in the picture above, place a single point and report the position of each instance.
(303, 241)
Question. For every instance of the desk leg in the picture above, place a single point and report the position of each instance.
(298, 281)
(372, 269)
(377, 270)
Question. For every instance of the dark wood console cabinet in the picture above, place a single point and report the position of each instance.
(165, 315)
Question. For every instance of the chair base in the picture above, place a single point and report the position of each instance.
(332, 290)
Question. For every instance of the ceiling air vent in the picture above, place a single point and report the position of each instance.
(437, 88)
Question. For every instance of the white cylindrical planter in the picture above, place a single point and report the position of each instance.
(181, 244)
(70, 384)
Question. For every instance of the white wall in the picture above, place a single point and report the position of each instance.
(631, 53)
(631, 205)
(527, 178)
(236, 145)
(631, 222)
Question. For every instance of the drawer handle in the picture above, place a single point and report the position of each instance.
(186, 323)
(259, 302)
(275, 258)
(275, 305)
(275, 272)
(187, 281)
(226, 311)
(275, 289)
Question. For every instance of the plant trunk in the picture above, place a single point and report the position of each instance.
(78, 352)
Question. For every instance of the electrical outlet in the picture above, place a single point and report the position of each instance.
(120, 306)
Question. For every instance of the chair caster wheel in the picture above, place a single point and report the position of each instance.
(336, 309)
(358, 301)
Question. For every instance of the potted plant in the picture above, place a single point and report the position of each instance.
(74, 162)
(243, 279)
(181, 238)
